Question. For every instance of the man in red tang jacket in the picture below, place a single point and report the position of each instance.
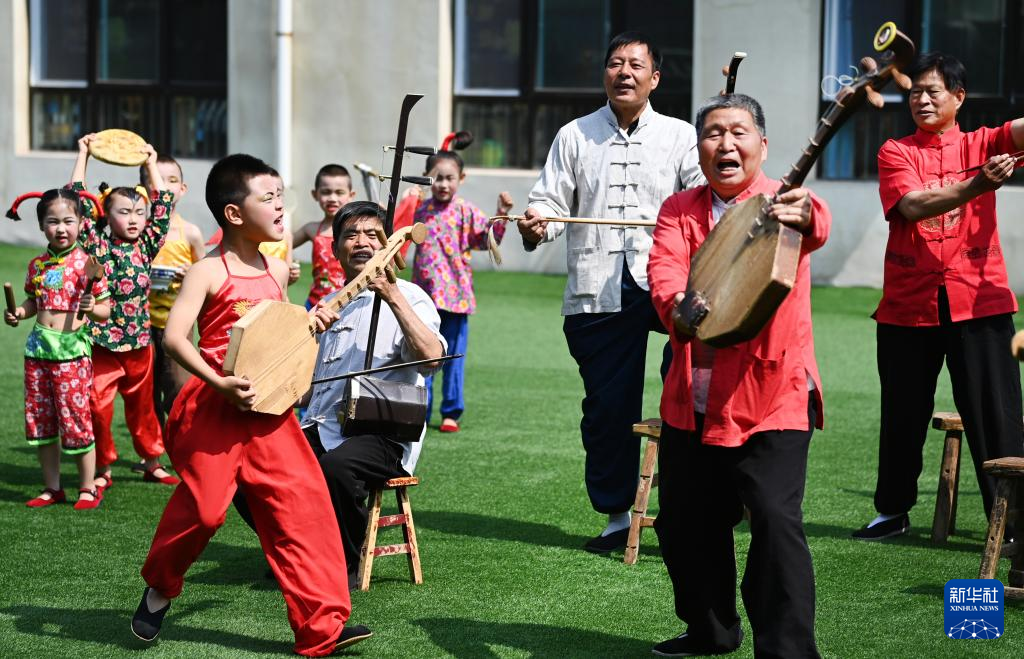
(737, 421)
(945, 293)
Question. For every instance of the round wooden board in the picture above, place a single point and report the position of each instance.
(117, 146)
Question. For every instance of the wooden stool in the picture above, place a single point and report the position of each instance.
(944, 522)
(1008, 504)
(639, 519)
(404, 518)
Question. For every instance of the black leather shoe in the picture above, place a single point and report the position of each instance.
(887, 529)
(604, 544)
(685, 645)
(146, 624)
(352, 634)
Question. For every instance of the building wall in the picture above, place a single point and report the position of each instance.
(354, 61)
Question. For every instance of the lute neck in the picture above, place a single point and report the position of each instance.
(828, 125)
(370, 271)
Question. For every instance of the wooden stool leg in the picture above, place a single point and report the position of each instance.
(956, 485)
(409, 532)
(369, 543)
(945, 500)
(996, 529)
(1016, 577)
(643, 495)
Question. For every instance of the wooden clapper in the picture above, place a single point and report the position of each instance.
(274, 345)
(748, 263)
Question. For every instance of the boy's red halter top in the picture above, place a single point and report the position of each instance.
(236, 296)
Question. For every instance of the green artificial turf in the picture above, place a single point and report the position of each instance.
(501, 515)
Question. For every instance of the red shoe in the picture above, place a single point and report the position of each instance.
(86, 504)
(151, 477)
(110, 482)
(449, 425)
(56, 496)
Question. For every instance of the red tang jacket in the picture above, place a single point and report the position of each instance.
(758, 385)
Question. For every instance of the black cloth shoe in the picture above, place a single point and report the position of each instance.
(146, 624)
(352, 634)
(685, 645)
(887, 529)
(604, 544)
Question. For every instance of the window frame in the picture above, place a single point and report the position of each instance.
(94, 92)
(979, 108)
(535, 98)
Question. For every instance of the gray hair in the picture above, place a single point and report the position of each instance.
(739, 101)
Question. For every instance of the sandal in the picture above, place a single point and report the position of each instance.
(86, 504)
(108, 477)
(449, 425)
(56, 496)
(150, 476)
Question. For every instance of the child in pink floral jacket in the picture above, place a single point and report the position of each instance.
(441, 267)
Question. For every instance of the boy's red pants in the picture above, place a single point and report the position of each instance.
(129, 373)
(215, 447)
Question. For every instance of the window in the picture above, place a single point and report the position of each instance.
(524, 68)
(975, 33)
(156, 67)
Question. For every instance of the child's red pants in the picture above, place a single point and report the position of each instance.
(129, 373)
(215, 447)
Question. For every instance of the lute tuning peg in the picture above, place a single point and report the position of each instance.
(874, 98)
(901, 79)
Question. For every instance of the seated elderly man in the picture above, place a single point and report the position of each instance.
(737, 420)
(408, 329)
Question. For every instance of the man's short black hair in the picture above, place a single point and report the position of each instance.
(630, 37)
(355, 210)
(228, 182)
(948, 67)
(332, 170)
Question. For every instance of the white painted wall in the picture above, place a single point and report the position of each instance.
(354, 61)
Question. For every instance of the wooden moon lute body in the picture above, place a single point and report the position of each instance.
(274, 345)
(748, 262)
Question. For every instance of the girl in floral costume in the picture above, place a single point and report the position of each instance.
(58, 368)
(441, 267)
(122, 353)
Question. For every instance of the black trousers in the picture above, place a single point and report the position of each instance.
(702, 490)
(349, 469)
(164, 388)
(610, 350)
(986, 390)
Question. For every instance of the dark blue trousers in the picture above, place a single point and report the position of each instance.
(610, 350)
(455, 330)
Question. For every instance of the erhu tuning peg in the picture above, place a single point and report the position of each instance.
(421, 150)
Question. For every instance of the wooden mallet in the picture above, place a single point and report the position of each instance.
(9, 296)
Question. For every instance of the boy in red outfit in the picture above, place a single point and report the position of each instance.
(737, 420)
(217, 443)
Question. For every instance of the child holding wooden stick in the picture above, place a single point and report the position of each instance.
(61, 290)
